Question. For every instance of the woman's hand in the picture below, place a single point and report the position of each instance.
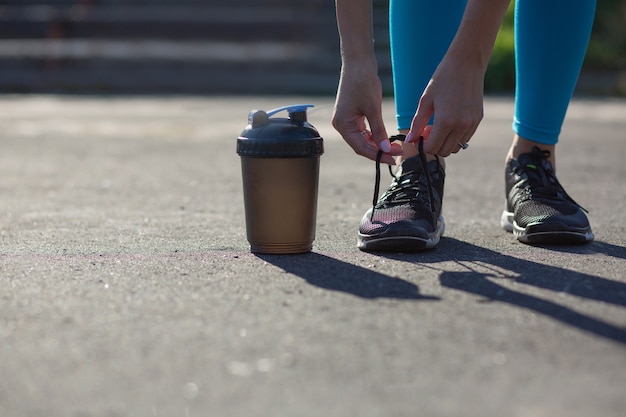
(358, 108)
(358, 113)
(455, 96)
(455, 92)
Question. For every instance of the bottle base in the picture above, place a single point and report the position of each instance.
(281, 248)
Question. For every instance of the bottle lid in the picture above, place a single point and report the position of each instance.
(274, 137)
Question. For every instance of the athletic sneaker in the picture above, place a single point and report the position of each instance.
(538, 210)
(407, 217)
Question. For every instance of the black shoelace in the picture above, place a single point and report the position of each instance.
(545, 183)
(423, 163)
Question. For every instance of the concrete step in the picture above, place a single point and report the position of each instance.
(241, 22)
(106, 76)
(206, 46)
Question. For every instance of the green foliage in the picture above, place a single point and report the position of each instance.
(501, 70)
(607, 47)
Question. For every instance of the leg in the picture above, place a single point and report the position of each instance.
(551, 40)
(408, 215)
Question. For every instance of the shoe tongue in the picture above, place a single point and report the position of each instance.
(411, 164)
(533, 160)
(528, 160)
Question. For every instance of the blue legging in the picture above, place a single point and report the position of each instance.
(551, 38)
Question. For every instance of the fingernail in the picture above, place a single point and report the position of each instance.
(385, 146)
(408, 138)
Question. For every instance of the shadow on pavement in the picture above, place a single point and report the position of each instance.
(333, 274)
(481, 268)
(484, 267)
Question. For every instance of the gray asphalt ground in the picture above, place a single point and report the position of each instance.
(128, 289)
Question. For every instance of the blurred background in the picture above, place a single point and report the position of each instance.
(229, 47)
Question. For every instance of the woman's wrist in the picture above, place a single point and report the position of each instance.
(366, 64)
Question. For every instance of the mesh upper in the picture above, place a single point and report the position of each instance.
(534, 194)
(406, 201)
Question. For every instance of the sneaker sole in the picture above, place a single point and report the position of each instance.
(539, 233)
(391, 243)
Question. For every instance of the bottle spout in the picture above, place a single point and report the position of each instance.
(297, 112)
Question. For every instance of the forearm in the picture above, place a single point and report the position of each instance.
(354, 21)
(455, 92)
(358, 107)
(475, 38)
